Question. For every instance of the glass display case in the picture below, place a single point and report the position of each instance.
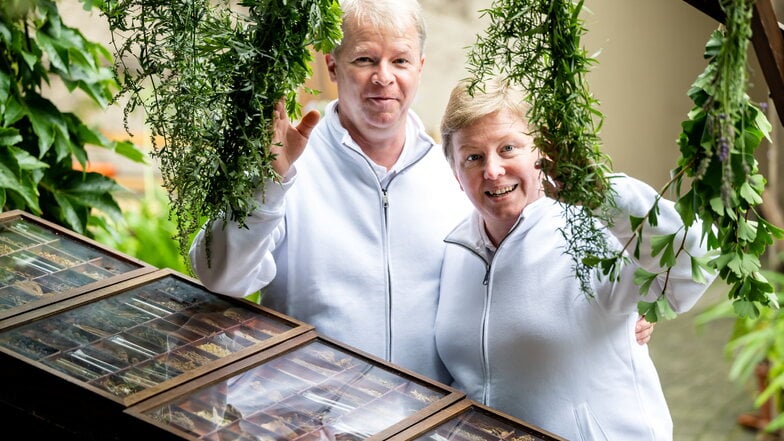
(471, 421)
(307, 389)
(138, 337)
(41, 262)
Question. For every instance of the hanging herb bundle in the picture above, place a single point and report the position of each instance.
(717, 146)
(208, 74)
(535, 44)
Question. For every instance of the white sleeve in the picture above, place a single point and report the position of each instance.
(238, 261)
(636, 198)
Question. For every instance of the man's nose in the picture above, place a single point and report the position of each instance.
(383, 75)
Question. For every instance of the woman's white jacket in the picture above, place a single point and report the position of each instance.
(518, 334)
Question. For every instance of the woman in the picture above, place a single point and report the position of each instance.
(513, 327)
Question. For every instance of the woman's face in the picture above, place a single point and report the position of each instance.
(495, 166)
(377, 72)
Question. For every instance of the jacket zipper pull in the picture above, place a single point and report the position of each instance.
(385, 198)
(487, 276)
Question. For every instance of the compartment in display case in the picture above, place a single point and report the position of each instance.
(308, 388)
(42, 262)
(468, 420)
(108, 349)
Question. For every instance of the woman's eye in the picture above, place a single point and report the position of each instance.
(508, 148)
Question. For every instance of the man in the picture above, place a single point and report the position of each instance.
(352, 240)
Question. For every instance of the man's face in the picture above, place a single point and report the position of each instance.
(377, 72)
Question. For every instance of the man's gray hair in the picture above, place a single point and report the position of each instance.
(385, 14)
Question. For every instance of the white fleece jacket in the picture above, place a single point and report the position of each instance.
(336, 248)
(530, 343)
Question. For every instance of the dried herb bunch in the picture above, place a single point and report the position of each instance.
(208, 74)
(718, 168)
(535, 44)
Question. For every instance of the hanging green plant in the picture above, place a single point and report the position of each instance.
(207, 75)
(535, 44)
(718, 169)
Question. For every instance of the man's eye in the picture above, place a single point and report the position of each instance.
(508, 148)
(471, 158)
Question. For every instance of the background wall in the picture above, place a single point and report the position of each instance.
(648, 55)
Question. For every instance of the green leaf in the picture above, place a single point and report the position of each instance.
(717, 205)
(745, 308)
(9, 136)
(749, 194)
(747, 230)
(644, 278)
(661, 242)
(664, 309)
(648, 310)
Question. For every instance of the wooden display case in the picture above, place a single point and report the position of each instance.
(97, 353)
(41, 263)
(309, 388)
(468, 420)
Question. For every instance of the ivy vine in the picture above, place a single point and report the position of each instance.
(207, 75)
(536, 45)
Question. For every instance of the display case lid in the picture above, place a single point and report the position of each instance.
(42, 262)
(468, 420)
(308, 388)
(139, 337)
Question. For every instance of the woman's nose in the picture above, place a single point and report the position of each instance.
(494, 168)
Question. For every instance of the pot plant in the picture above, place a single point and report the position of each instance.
(756, 351)
(536, 44)
(40, 143)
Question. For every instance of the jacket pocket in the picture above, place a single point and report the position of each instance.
(587, 425)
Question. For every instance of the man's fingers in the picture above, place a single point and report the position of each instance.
(308, 122)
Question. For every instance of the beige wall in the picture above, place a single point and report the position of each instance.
(651, 52)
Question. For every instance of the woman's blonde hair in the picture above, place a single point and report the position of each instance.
(466, 106)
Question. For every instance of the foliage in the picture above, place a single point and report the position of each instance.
(208, 74)
(146, 231)
(717, 178)
(39, 142)
(536, 45)
(755, 340)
